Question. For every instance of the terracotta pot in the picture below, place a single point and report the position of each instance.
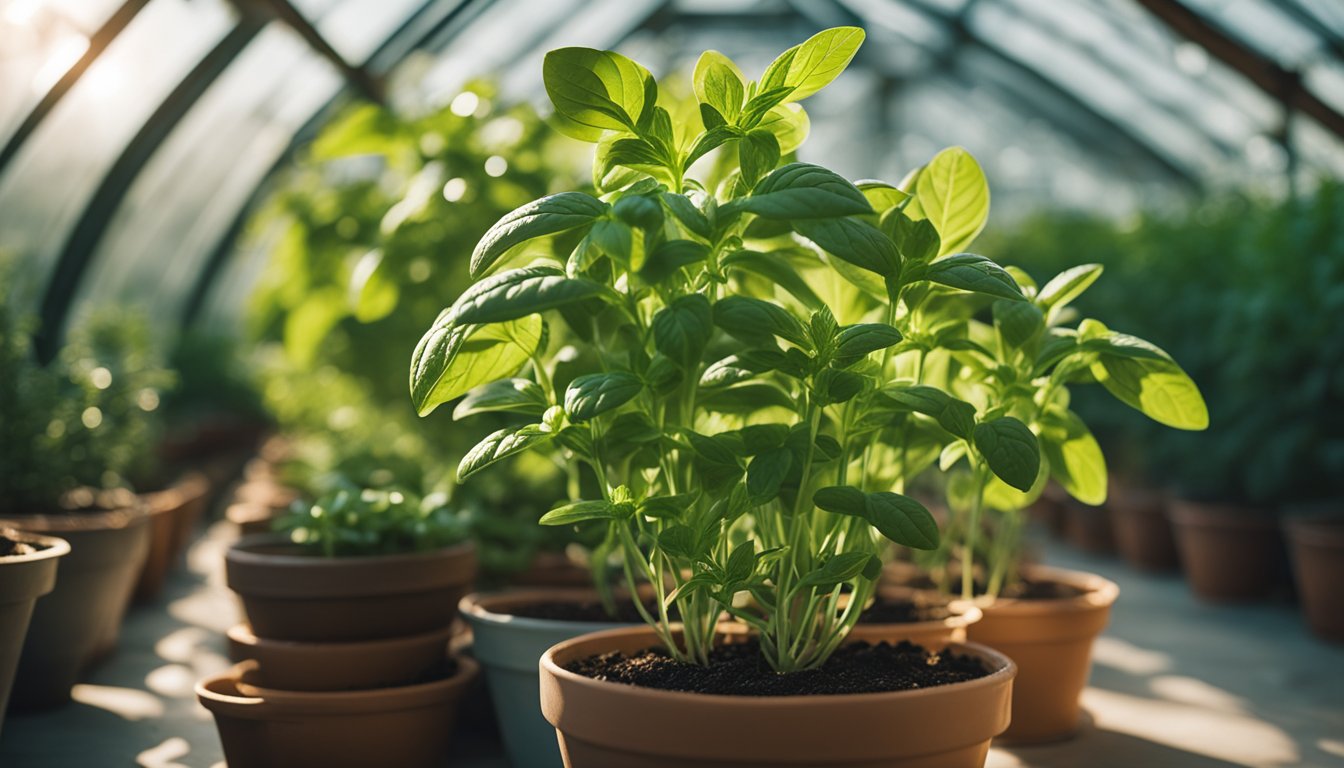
(295, 666)
(933, 635)
(1231, 553)
(1088, 528)
(23, 579)
(407, 727)
(1318, 563)
(173, 513)
(611, 725)
(292, 596)
(1141, 528)
(251, 519)
(1051, 641)
(1050, 509)
(553, 569)
(267, 493)
(84, 612)
(509, 649)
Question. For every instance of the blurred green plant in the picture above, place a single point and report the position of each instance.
(90, 418)
(1249, 295)
(352, 522)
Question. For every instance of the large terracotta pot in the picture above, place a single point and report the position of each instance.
(83, 614)
(611, 725)
(288, 595)
(1088, 528)
(354, 666)
(933, 635)
(509, 649)
(23, 579)
(1141, 527)
(173, 514)
(407, 727)
(1231, 553)
(1318, 563)
(1051, 641)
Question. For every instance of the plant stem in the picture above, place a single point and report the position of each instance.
(968, 552)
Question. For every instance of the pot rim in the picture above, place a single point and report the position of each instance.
(76, 520)
(285, 576)
(1098, 592)
(241, 552)
(1004, 670)
(490, 607)
(242, 634)
(964, 613)
(52, 546)
(1322, 530)
(270, 703)
(1204, 514)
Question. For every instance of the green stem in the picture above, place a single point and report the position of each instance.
(972, 530)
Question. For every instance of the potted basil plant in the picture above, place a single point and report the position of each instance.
(1019, 368)
(732, 418)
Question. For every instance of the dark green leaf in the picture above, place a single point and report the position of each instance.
(775, 267)
(800, 190)
(596, 393)
(527, 296)
(956, 416)
(547, 216)
(670, 256)
(686, 212)
(757, 154)
(500, 444)
(581, 511)
(766, 472)
(1010, 449)
(639, 211)
(916, 240)
(1018, 321)
(969, 272)
(860, 339)
(683, 328)
(508, 395)
(854, 240)
(741, 563)
(756, 320)
(902, 520)
(667, 507)
(844, 567)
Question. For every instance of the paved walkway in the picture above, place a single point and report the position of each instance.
(1175, 683)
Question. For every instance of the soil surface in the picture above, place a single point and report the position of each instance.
(12, 548)
(588, 611)
(902, 612)
(1041, 590)
(739, 670)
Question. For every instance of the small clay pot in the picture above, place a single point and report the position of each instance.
(1318, 563)
(1141, 528)
(173, 513)
(553, 569)
(289, 595)
(407, 727)
(933, 635)
(1051, 641)
(267, 493)
(23, 579)
(251, 519)
(509, 649)
(1088, 528)
(81, 618)
(606, 725)
(357, 666)
(1231, 553)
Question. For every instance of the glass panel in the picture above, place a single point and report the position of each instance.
(355, 28)
(191, 191)
(50, 181)
(39, 41)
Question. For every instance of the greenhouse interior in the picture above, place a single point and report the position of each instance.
(659, 383)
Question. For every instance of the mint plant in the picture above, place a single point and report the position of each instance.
(350, 521)
(749, 334)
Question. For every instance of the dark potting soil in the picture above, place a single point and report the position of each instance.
(11, 548)
(739, 670)
(1041, 590)
(902, 612)
(589, 611)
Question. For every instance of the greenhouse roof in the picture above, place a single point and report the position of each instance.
(135, 135)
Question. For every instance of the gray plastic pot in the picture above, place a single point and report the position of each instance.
(509, 650)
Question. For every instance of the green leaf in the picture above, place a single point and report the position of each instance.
(719, 83)
(756, 320)
(581, 511)
(667, 507)
(956, 416)
(501, 444)
(745, 398)
(510, 300)
(373, 291)
(548, 216)
(685, 211)
(902, 520)
(596, 393)
(842, 500)
(679, 541)
(1010, 449)
(670, 256)
(760, 105)
(813, 64)
(1067, 286)
(836, 386)
(853, 240)
(881, 195)
(596, 91)
(741, 563)
(507, 395)
(916, 239)
(860, 339)
(1018, 321)
(729, 370)
(775, 268)
(1157, 387)
(766, 472)
(757, 155)
(800, 190)
(640, 211)
(952, 193)
(844, 567)
(452, 359)
(969, 272)
(683, 328)
(608, 237)
(789, 124)
(1076, 461)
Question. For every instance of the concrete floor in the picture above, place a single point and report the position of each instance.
(1175, 683)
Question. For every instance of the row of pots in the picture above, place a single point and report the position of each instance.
(1229, 553)
(106, 557)
(330, 659)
